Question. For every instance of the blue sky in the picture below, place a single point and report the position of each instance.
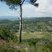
(44, 9)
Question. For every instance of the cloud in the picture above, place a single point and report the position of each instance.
(44, 9)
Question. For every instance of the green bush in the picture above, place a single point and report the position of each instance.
(7, 48)
(10, 48)
(6, 34)
(31, 41)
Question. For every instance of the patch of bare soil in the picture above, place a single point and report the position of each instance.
(2, 41)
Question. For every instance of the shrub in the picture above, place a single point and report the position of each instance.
(6, 34)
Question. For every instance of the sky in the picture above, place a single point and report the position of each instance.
(44, 9)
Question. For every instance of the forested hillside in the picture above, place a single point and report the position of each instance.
(29, 24)
(36, 35)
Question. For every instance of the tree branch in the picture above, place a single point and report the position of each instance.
(23, 1)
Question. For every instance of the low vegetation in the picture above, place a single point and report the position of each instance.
(36, 35)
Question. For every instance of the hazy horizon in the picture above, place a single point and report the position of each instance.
(16, 17)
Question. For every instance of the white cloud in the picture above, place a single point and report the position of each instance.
(44, 9)
(42, 5)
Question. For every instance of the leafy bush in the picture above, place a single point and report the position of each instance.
(31, 41)
(6, 34)
(10, 48)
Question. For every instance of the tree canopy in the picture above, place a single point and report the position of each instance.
(14, 3)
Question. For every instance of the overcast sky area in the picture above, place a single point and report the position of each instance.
(44, 9)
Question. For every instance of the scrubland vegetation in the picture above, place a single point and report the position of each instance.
(36, 35)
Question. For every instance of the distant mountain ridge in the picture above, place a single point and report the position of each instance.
(26, 18)
(8, 17)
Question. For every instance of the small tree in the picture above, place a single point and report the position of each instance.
(13, 5)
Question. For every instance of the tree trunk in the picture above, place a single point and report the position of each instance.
(20, 35)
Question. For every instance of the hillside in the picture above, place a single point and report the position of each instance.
(37, 36)
(29, 24)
